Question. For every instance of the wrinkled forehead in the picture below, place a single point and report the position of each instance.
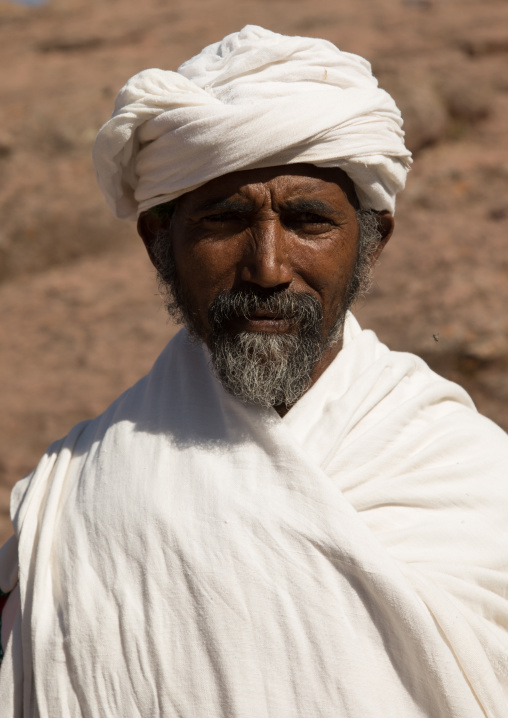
(283, 181)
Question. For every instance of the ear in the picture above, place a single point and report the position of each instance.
(386, 225)
(148, 227)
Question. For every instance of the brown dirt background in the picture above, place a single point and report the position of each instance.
(81, 320)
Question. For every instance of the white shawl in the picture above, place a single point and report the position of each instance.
(187, 555)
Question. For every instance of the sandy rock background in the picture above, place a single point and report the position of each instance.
(81, 319)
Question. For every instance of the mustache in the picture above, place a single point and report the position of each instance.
(299, 308)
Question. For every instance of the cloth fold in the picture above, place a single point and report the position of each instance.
(185, 554)
(255, 99)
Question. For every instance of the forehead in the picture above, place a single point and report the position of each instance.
(283, 183)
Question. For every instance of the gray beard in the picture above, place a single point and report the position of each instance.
(264, 368)
(259, 367)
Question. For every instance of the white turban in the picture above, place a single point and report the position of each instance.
(255, 99)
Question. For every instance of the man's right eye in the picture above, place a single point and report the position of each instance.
(221, 217)
(225, 218)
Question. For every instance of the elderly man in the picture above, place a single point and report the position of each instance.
(283, 518)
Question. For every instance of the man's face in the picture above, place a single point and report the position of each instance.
(266, 258)
(268, 231)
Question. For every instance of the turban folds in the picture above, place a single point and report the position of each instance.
(255, 99)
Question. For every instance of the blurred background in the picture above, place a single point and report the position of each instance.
(81, 319)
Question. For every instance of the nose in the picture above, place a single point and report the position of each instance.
(266, 261)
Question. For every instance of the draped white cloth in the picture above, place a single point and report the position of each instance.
(255, 99)
(187, 555)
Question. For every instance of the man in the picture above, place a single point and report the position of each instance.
(283, 518)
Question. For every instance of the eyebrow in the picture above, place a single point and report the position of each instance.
(245, 206)
(306, 204)
(227, 205)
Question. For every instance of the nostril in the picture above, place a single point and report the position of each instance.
(265, 275)
(267, 267)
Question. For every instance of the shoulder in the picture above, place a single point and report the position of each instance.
(10, 601)
(150, 408)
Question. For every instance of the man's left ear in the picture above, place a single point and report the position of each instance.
(386, 224)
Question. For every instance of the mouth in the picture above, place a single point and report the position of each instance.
(248, 311)
(262, 320)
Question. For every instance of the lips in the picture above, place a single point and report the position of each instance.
(263, 311)
(262, 320)
(264, 314)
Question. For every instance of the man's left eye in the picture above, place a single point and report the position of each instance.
(316, 218)
(308, 219)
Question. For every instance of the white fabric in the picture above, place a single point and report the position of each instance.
(255, 99)
(187, 555)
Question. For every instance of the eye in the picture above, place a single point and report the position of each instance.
(221, 218)
(225, 220)
(308, 222)
(313, 218)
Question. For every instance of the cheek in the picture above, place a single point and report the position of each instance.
(328, 271)
(204, 270)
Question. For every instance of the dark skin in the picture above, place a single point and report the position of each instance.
(284, 227)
